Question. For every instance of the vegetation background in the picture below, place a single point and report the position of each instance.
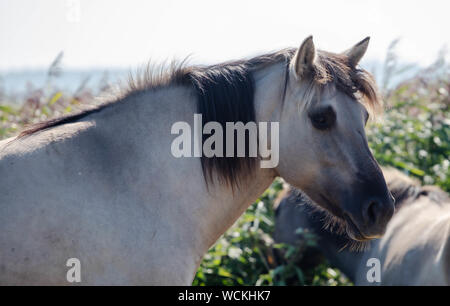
(412, 135)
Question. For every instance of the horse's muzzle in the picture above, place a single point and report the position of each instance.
(372, 220)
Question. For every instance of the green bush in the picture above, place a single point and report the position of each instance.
(414, 133)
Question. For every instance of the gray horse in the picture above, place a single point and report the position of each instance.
(112, 188)
(415, 249)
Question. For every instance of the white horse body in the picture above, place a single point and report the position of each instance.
(106, 191)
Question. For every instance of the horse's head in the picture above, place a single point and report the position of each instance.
(323, 146)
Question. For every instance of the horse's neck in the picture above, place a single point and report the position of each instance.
(202, 215)
(225, 204)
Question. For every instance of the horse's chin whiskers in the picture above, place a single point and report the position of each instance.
(358, 246)
(337, 225)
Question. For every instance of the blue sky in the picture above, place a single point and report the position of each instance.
(127, 33)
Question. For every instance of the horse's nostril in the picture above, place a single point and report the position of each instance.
(376, 215)
(372, 212)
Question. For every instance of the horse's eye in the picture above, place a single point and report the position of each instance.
(323, 118)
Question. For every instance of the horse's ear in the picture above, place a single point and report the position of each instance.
(355, 53)
(303, 60)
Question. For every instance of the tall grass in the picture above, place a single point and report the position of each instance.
(48, 101)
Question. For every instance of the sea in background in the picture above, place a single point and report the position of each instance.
(17, 84)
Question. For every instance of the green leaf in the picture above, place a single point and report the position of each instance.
(7, 109)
